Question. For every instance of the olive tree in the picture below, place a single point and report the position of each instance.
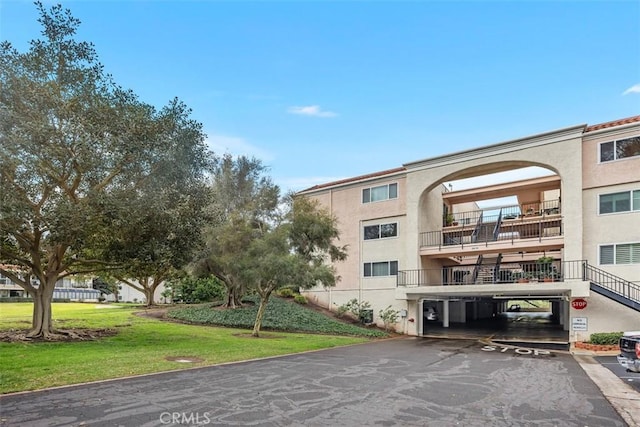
(298, 250)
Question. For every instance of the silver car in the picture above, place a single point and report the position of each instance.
(629, 356)
(431, 314)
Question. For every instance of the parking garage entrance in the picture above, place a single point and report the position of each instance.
(519, 320)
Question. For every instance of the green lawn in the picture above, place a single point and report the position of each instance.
(141, 346)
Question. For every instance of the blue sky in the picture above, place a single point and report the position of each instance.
(326, 90)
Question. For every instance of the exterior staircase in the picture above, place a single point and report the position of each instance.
(613, 287)
(486, 269)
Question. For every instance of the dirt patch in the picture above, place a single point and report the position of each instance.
(262, 335)
(67, 335)
(153, 313)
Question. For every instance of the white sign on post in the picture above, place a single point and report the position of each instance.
(579, 323)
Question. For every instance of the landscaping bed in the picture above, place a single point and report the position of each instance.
(280, 315)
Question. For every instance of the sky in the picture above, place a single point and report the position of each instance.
(326, 90)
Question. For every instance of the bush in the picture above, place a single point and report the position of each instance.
(286, 293)
(300, 299)
(389, 316)
(342, 310)
(360, 310)
(605, 338)
(192, 291)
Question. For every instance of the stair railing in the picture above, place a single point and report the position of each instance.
(496, 269)
(611, 282)
(476, 231)
(476, 270)
(496, 229)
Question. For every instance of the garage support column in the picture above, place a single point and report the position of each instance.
(445, 313)
(566, 321)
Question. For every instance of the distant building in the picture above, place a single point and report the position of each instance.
(570, 239)
(76, 288)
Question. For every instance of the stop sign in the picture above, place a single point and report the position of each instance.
(579, 303)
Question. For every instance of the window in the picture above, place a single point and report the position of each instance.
(624, 253)
(623, 148)
(377, 194)
(624, 201)
(384, 268)
(381, 231)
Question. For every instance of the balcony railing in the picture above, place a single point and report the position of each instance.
(524, 210)
(557, 271)
(495, 229)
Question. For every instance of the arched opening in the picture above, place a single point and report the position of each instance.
(490, 240)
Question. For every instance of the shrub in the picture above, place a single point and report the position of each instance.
(300, 299)
(342, 310)
(191, 290)
(286, 293)
(605, 338)
(360, 310)
(389, 316)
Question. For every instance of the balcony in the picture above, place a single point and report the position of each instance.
(536, 225)
(492, 274)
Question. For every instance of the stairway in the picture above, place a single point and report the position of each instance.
(485, 270)
(613, 287)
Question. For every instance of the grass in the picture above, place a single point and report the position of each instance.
(141, 346)
(280, 315)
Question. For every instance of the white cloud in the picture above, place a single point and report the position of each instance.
(632, 89)
(311, 110)
(237, 146)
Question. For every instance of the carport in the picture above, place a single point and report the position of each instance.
(483, 310)
(496, 318)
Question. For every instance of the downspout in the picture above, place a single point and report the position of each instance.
(360, 265)
(331, 212)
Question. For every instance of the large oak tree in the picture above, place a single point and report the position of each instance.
(77, 153)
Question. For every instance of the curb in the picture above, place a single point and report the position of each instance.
(624, 399)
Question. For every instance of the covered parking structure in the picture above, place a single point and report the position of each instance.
(488, 310)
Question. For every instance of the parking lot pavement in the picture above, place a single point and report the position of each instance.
(403, 382)
(611, 363)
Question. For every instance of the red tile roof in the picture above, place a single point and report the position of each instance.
(613, 123)
(355, 178)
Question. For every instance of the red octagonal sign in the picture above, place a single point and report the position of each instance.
(579, 303)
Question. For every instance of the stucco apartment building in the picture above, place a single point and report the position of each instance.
(570, 238)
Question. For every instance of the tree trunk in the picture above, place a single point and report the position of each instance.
(233, 296)
(264, 299)
(148, 294)
(41, 324)
(231, 301)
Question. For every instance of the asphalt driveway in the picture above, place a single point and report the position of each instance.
(403, 382)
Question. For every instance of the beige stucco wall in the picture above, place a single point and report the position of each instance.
(346, 204)
(558, 151)
(602, 229)
(418, 208)
(597, 174)
(605, 178)
(604, 315)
